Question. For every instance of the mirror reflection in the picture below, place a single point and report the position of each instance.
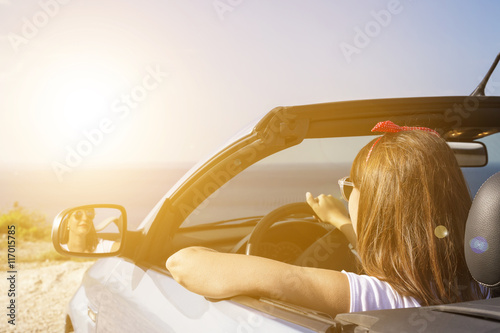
(91, 230)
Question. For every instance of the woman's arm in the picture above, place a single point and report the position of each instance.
(222, 275)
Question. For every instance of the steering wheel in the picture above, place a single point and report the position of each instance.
(276, 215)
(320, 253)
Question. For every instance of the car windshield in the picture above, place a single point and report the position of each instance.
(314, 165)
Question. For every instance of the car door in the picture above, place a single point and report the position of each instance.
(149, 300)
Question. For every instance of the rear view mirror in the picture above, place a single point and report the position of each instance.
(470, 154)
(89, 230)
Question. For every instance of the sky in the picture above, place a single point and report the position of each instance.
(115, 83)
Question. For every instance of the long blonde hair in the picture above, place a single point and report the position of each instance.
(412, 211)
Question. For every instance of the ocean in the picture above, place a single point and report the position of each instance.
(137, 189)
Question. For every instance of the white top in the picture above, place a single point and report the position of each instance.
(104, 246)
(369, 293)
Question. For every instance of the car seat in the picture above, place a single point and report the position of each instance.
(482, 235)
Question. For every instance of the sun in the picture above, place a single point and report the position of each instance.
(77, 97)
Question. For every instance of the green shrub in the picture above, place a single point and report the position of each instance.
(30, 225)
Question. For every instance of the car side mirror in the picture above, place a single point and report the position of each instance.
(90, 230)
(469, 154)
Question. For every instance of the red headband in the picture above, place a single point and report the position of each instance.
(389, 127)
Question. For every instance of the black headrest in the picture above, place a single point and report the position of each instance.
(482, 234)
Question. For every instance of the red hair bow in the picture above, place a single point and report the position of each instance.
(389, 127)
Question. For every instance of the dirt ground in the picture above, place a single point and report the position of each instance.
(43, 289)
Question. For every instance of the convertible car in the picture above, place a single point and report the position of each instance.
(249, 197)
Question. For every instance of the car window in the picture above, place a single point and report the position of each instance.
(314, 165)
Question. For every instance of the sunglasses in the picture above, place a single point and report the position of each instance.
(79, 214)
(346, 187)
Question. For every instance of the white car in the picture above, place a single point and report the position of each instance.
(249, 198)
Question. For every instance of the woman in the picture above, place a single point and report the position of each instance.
(408, 204)
(78, 232)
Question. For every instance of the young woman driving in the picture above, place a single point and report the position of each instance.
(408, 204)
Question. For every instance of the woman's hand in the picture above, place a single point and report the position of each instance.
(329, 209)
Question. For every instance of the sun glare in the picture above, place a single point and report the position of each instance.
(77, 97)
(83, 106)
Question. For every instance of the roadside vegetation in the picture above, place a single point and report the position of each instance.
(30, 225)
(32, 235)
